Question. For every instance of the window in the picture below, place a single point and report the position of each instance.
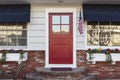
(60, 24)
(103, 33)
(13, 34)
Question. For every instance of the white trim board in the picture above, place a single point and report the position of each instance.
(60, 10)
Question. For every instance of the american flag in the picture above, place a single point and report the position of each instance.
(80, 26)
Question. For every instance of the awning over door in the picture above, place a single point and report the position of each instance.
(101, 12)
(15, 13)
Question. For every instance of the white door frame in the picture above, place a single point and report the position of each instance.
(60, 10)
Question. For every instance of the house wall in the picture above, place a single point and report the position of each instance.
(37, 27)
(37, 38)
(36, 46)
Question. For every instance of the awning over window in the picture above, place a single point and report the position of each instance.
(101, 12)
(15, 13)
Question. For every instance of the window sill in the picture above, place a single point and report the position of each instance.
(102, 57)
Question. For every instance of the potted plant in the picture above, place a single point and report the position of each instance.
(100, 50)
(21, 53)
(3, 56)
(108, 55)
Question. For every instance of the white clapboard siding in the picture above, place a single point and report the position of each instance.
(36, 46)
(37, 39)
(37, 27)
(37, 14)
(80, 39)
(37, 33)
(38, 20)
(80, 45)
(77, 14)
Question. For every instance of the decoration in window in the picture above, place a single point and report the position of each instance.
(65, 28)
(55, 28)
(103, 34)
(13, 34)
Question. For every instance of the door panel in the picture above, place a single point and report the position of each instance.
(60, 38)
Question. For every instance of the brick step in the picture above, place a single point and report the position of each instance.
(90, 77)
(75, 73)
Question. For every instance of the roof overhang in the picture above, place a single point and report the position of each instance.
(59, 1)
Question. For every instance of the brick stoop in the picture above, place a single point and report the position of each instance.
(75, 74)
(90, 77)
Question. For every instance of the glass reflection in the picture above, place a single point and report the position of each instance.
(56, 28)
(65, 28)
(22, 41)
(65, 19)
(55, 19)
(92, 41)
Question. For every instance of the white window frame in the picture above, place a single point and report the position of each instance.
(18, 47)
(60, 10)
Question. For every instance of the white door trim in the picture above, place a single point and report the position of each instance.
(60, 10)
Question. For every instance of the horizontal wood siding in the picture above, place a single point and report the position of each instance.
(38, 20)
(37, 28)
(80, 39)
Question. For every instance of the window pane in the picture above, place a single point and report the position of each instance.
(65, 19)
(11, 41)
(65, 28)
(92, 41)
(22, 41)
(105, 34)
(92, 34)
(115, 36)
(104, 41)
(3, 33)
(22, 33)
(56, 28)
(55, 19)
(2, 41)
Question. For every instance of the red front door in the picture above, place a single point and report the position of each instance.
(60, 38)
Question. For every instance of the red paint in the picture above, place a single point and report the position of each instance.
(61, 44)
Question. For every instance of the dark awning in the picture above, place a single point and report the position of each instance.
(101, 12)
(15, 13)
